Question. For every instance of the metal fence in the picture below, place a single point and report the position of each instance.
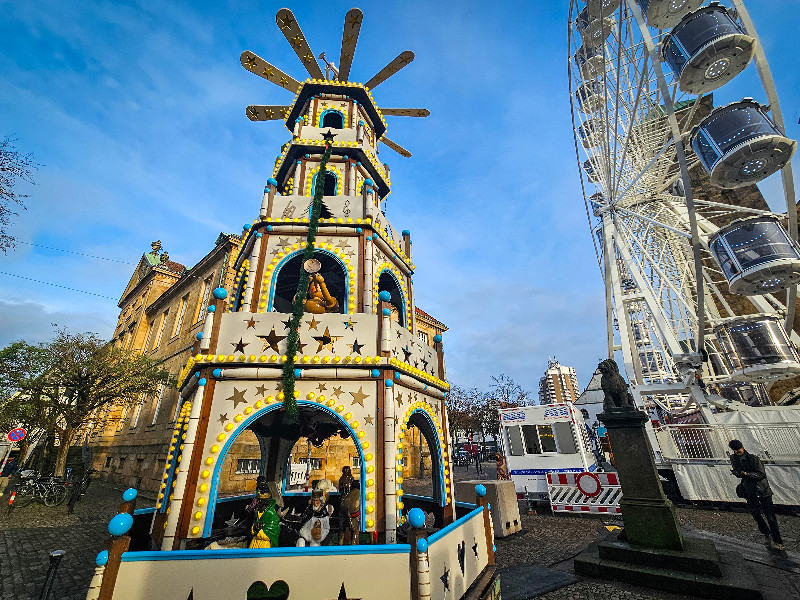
(771, 441)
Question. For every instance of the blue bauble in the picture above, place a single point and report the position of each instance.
(416, 517)
(384, 296)
(202, 381)
(129, 494)
(386, 312)
(480, 490)
(389, 383)
(437, 338)
(422, 545)
(217, 373)
(102, 558)
(220, 293)
(376, 373)
(120, 524)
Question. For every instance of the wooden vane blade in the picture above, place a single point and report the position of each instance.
(267, 113)
(406, 112)
(253, 62)
(352, 27)
(396, 147)
(294, 35)
(403, 59)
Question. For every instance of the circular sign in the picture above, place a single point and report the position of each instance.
(16, 435)
(588, 484)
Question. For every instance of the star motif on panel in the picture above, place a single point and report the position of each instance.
(350, 253)
(287, 21)
(343, 595)
(326, 340)
(300, 346)
(268, 72)
(322, 387)
(223, 418)
(349, 324)
(251, 61)
(406, 353)
(287, 323)
(329, 135)
(261, 390)
(297, 41)
(368, 419)
(399, 333)
(239, 346)
(279, 386)
(399, 398)
(343, 244)
(359, 396)
(355, 19)
(238, 398)
(425, 362)
(271, 340)
(232, 521)
(460, 551)
(356, 347)
(475, 547)
(446, 578)
(396, 420)
(251, 323)
(312, 324)
(337, 391)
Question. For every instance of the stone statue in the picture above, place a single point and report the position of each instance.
(615, 390)
(164, 257)
(156, 246)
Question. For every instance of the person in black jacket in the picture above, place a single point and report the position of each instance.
(750, 470)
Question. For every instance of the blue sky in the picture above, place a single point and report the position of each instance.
(136, 113)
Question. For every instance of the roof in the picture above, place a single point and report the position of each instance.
(155, 261)
(593, 393)
(425, 315)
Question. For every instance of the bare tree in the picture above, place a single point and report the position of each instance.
(13, 167)
(509, 393)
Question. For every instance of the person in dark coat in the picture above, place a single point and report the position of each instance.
(750, 470)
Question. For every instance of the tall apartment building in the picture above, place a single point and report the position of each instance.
(559, 384)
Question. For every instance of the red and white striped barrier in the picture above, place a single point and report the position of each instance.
(584, 492)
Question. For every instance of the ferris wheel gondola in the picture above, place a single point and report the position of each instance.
(672, 256)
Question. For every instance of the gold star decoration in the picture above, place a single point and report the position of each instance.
(284, 81)
(322, 387)
(297, 41)
(349, 324)
(287, 21)
(399, 398)
(337, 391)
(356, 347)
(354, 20)
(253, 111)
(343, 244)
(251, 61)
(369, 420)
(239, 346)
(347, 40)
(269, 112)
(326, 340)
(271, 340)
(312, 324)
(279, 387)
(308, 58)
(237, 398)
(251, 323)
(285, 112)
(348, 56)
(269, 73)
(261, 390)
(223, 418)
(359, 396)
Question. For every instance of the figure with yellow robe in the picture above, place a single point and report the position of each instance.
(266, 522)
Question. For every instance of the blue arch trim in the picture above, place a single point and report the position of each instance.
(404, 312)
(212, 496)
(442, 499)
(332, 110)
(314, 186)
(276, 271)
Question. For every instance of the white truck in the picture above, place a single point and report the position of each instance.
(538, 440)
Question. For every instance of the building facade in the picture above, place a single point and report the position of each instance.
(559, 384)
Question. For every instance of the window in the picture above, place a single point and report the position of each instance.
(423, 336)
(547, 438)
(203, 304)
(515, 440)
(158, 404)
(108, 461)
(177, 410)
(564, 438)
(540, 438)
(356, 462)
(333, 119)
(176, 329)
(247, 466)
(160, 330)
(531, 439)
(121, 464)
(139, 464)
(315, 463)
(123, 413)
(136, 412)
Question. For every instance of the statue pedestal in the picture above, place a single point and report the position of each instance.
(651, 550)
(650, 519)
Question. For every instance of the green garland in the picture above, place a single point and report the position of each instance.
(289, 401)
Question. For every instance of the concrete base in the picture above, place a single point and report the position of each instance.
(502, 495)
(698, 570)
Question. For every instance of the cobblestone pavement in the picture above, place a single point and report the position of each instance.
(29, 534)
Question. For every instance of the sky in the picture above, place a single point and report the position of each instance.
(135, 112)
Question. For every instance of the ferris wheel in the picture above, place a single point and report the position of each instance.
(701, 277)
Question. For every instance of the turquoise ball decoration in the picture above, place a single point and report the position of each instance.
(220, 293)
(489, 505)
(298, 373)
(384, 296)
(259, 234)
(359, 230)
(494, 548)
(480, 490)
(199, 335)
(217, 373)
(368, 182)
(202, 381)
(369, 238)
(376, 373)
(361, 122)
(102, 558)
(212, 309)
(386, 312)
(129, 494)
(389, 383)
(406, 232)
(269, 227)
(422, 545)
(397, 376)
(120, 524)
(272, 181)
(437, 338)
(246, 226)
(416, 517)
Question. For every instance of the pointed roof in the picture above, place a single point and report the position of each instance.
(593, 392)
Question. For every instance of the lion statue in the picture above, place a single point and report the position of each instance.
(615, 390)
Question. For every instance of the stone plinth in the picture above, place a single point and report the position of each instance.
(649, 517)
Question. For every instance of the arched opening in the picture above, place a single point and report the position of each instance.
(329, 185)
(388, 283)
(287, 278)
(423, 476)
(332, 119)
(280, 450)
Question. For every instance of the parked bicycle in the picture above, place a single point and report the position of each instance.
(49, 490)
(79, 488)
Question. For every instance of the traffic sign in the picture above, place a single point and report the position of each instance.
(16, 435)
